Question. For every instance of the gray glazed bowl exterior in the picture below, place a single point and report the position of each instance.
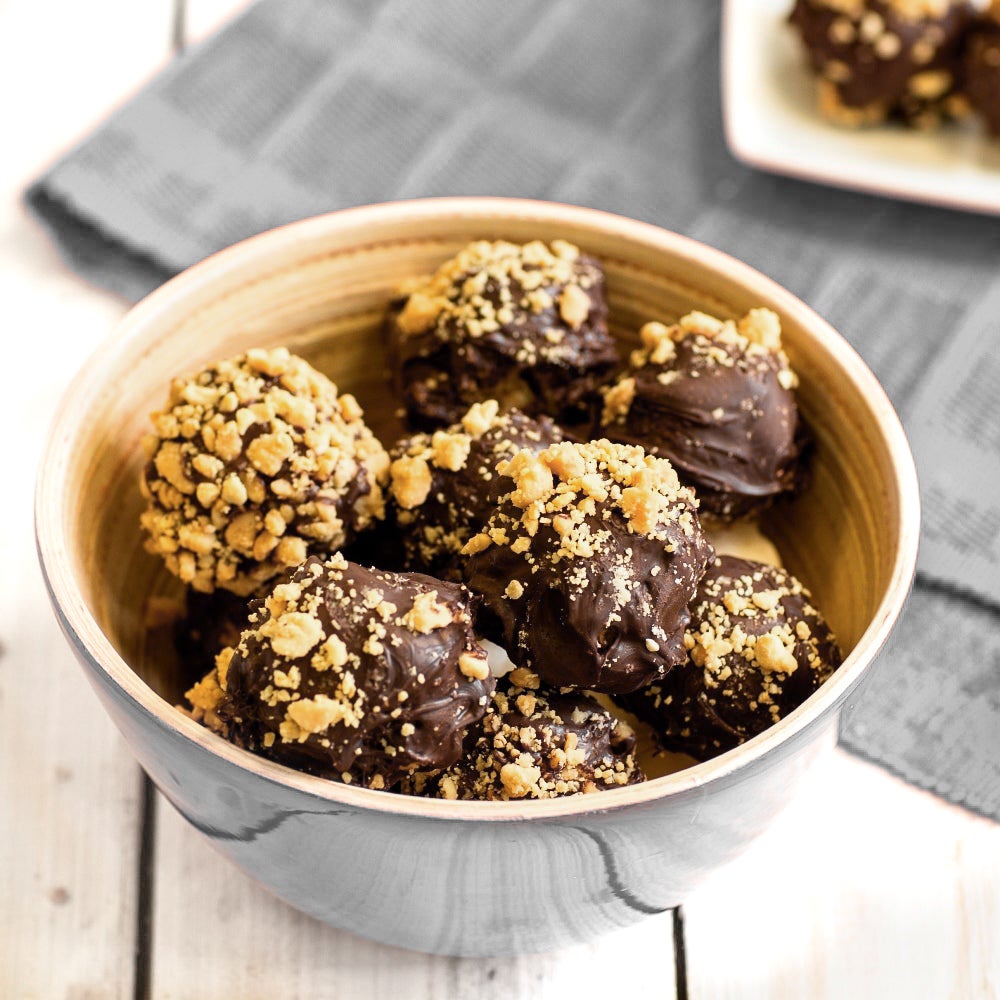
(446, 877)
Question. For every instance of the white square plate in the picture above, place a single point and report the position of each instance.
(771, 122)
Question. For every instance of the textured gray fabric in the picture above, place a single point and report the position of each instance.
(303, 106)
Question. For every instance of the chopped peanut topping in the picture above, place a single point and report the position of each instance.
(428, 614)
(537, 744)
(519, 780)
(411, 481)
(473, 666)
(487, 286)
(249, 451)
(574, 306)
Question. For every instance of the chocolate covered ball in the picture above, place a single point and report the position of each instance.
(439, 484)
(256, 463)
(356, 674)
(715, 398)
(982, 68)
(522, 324)
(878, 59)
(587, 565)
(536, 743)
(757, 648)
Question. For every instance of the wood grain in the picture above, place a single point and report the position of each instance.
(864, 888)
(69, 790)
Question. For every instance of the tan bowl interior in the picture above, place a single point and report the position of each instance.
(323, 292)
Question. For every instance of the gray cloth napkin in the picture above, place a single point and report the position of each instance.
(303, 106)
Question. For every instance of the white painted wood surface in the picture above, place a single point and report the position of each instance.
(69, 792)
(865, 887)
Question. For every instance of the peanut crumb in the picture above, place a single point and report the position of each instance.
(410, 481)
(427, 614)
(574, 306)
(473, 666)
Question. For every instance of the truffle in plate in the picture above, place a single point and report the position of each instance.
(257, 462)
(353, 674)
(717, 399)
(523, 324)
(439, 484)
(757, 648)
(587, 565)
(536, 743)
(879, 59)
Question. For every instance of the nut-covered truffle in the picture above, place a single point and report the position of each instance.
(878, 59)
(356, 674)
(526, 325)
(439, 484)
(256, 463)
(757, 648)
(716, 398)
(536, 743)
(982, 68)
(588, 563)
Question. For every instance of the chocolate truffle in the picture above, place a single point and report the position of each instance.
(982, 68)
(716, 398)
(256, 462)
(757, 648)
(539, 744)
(588, 563)
(526, 325)
(439, 483)
(356, 674)
(885, 58)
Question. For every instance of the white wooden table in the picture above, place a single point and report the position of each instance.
(865, 887)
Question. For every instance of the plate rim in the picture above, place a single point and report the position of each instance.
(751, 154)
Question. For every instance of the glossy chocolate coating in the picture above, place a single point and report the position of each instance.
(884, 58)
(719, 406)
(357, 675)
(757, 649)
(439, 485)
(539, 743)
(588, 583)
(526, 325)
(982, 69)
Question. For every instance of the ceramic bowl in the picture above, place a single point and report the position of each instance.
(460, 878)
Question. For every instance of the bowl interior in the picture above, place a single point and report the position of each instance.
(321, 289)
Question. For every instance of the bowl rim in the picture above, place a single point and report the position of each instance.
(93, 645)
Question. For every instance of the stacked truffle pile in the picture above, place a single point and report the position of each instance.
(587, 561)
(921, 62)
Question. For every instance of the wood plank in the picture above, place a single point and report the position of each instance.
(219, 935)
(65, 67)
(69, 790)
(68, 786)
(865, 887)
(67, 783)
